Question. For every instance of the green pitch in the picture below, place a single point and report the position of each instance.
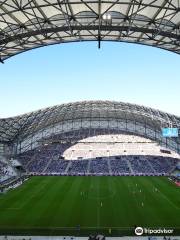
(85, 205)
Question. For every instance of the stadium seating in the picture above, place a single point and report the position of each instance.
(99, 166)
(112, 154)
(6, 172)
(119, 165)
(50, 160)
(78, 167)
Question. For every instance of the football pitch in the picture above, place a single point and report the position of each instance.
(86, 205)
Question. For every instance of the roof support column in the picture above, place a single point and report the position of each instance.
(99, 29)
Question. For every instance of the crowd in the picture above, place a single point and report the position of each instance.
(78, 167)
(119, 165)
(57, 166)
(6, 172)
(46, 161)
(99, 166)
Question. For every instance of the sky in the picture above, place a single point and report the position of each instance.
(80, 71)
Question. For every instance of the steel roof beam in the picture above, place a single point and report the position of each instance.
(103, 28)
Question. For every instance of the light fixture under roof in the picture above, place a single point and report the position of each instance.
(107, 17)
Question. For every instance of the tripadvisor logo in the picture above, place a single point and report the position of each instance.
(140, 231)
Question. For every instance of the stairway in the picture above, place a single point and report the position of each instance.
(88, 167)
(49, 162)
(130, 167)
(109, 166)
(68, 166)
(150, 165)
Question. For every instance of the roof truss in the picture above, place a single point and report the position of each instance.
(28, 124)
(29, 24)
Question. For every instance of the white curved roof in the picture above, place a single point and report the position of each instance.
(30, 123)
(29, 24)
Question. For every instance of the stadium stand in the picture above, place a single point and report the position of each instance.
(89, 138)
(45, 162)
(7, 172)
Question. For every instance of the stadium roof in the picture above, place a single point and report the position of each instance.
(27, 124)
(29, 24)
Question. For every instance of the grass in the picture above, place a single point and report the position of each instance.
(85, 205)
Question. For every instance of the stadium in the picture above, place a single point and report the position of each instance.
(97, 153)
(89, 167)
